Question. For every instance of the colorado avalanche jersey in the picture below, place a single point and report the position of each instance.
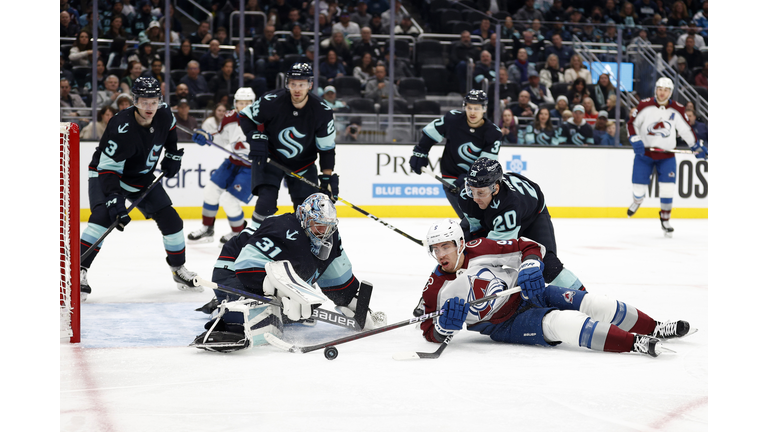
(489, 267)
(658, 125)
(513, 208)
(296, 136)
(282, 238)
(128, 152)
(574, 134)
(464, 145)
(231, 135)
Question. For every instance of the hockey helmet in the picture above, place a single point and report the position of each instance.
(665, 82)
(477, 97)
(146, 87)
(300, 71)
(245, 93)
(318, 208)
(483, 173)
(443, 231)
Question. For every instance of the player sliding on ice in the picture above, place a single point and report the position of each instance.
(540, 314)
(283, 257)
(656, 124)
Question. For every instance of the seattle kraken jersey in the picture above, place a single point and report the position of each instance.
(464, 145)
(529, 135)
(128, 152)
(282, 238)
(296, 136)
(515, 207)
(576, 134)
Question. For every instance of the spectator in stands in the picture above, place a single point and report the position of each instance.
(331, 68)
(557, 11)
(353, 129)
(484, 30)
(220, 34)
(212, 123)
(377, 6)
(600, 126)
(628, 18)
(183, 56)
(551, 72)
(484, 69)
(146, 54)
(539, 92)
(365, 70)
(194, 81)
(533, 47)
(610, 35)
(577, 70)
(385, 15)
(225, 80)
(578, 91)
(645, 9)
(667, 54)
(683, 70)
(567, 115)
(508, 126)
(662, 37)
(108, 96)
(611, 12)
(641, 34)
(70, 100)
(576, 131)
(490, 46)
(541, 131)
(590, 112)
(133, 71)
(610, 106)
(537, 31)
(678, 14)
(603, 89)
(152, 33)
(508, 31)
(367, 44)
(699, 128)
(338, 43)
(346, 25)
(523, 107)
(82, 50)
(376, 26)
(578, 20)
(100, 76)
(202, 35)
(701, 19)
(507, 92)
(293, 17)
(561, 106)
(142, 19)
(521, 68)
(116, 28)
(182, 92)
(265, 50)
(589, 33)
(184, 119)
(213, 58)
(402, 68)
(102, 118)
(691, 31)
(378, 88)
(294, 43)
(702, 78)
(68, 26)
(609, 137)
(329, 95)
(559, 29)
(361, 15)
(123, 101)
(528, 13)
(406, 27)
(563, 52)
(461, 51)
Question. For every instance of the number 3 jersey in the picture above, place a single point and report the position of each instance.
(295, 136)
(515, 207)
(128, 152)
(464, 145)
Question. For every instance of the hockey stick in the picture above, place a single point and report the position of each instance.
(319, 314)
(331, 344)
(301, 178)
(451, 188)
(423, 355)
(90, 250)
(659, 150)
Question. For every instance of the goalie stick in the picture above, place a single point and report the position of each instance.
(114, 224)
(319, 314)
(305, 349)
(303, 179)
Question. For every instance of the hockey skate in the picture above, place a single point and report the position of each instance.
(202, 235)
(646, 345)
(225, 238)
(221, 341)
(665, 226)
(673, 329)
(185, 279)
(85, 289)
(633, 208)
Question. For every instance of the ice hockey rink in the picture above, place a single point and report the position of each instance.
(134, 371)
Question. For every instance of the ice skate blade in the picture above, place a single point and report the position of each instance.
(183, 287)
(667, 234)
(200, 240)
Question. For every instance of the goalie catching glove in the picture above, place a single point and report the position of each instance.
(297, 296)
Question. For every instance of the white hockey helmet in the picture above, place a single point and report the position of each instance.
(245, 93)
(665, 82)
(443, 231)
(318, 208)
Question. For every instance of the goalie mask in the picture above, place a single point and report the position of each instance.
(443, 231)
(318, 218)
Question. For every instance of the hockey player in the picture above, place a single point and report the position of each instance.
(123, 166)
(469, 135)
(297, 127)
(576, 131)
(656, 123)
(507, 206)
(230, 183)
(540, 314)
(305, 248)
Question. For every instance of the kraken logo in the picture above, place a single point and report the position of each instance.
(465, 152)
(288, 138)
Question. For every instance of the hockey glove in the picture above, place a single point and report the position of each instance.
(117, 211)
(259, 154)
(202, 137)
(171, 163)
(637, 145)
(700, 150)
(531, 281)
(453, 318)
(330, 185)
(419, 160)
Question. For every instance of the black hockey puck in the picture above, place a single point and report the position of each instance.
(331, 352)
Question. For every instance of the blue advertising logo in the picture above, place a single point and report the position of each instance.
(400, 190)
(517, 165)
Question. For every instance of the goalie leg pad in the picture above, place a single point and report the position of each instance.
(359, 310)
(256, 319)
(297, 296)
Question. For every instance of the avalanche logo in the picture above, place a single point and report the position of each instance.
(288, 137)
(483, 288)
(660, 128)
(568, 296)
(465, 152)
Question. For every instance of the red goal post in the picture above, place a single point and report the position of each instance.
(69, 232)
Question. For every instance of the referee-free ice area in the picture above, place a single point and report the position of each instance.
(134, 371)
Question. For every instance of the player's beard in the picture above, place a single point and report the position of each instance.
(299, 101)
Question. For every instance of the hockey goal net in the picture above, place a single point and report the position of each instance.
(69, 231)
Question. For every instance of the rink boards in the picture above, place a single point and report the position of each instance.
(577, 182)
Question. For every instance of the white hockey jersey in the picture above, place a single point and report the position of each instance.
(230, 135)
(658, 126)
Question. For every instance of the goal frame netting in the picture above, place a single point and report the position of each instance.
(69, 232)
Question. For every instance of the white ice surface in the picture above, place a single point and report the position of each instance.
(133, 370)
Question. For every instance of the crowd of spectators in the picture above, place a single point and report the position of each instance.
(544, 84)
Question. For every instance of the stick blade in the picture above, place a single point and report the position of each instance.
(406, 356)
(279, 343)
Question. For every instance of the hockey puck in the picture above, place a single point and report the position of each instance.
(331, 352)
